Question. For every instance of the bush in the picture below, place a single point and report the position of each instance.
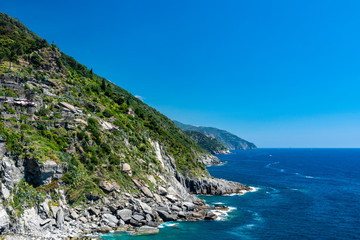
(107, 113)
(42, 112)
(36, 60)
(25, 127)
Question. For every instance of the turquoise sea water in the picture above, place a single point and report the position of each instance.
(303, 194)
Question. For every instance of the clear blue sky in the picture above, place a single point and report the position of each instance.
(278, 73)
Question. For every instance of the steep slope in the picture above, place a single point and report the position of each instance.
(229, 140)
(80, 154)
(210, 144)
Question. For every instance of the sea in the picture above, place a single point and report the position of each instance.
(300, 194)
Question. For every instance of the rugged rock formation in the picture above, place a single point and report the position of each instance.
(141, 213)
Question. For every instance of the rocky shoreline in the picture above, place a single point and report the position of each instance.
(140, 212)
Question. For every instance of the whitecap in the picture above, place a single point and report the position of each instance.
(168, 224)
(222, 214)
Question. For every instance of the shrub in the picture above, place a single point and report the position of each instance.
(107, 113)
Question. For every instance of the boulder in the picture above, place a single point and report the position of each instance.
(94, 211)
(4, 219)
(162, 191)
(125, 167)
(60, 218)
(166, 216)
(109, 218)
(137, 217)
(44, 210)
(134, 223)
(124, 214)
(106, 186)
(172, 198)
(31, 221)
(145, 207)
(5, 192)
(83, 219)
(146, 191)
(189, 205)
(73, 214)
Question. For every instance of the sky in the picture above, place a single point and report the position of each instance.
(277, 73)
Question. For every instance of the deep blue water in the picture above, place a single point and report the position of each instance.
(303, 194)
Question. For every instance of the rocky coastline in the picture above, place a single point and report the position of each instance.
(140, 212)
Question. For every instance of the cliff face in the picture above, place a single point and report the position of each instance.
(79, 154)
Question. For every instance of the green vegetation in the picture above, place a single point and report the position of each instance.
(229, 140)
(16, 39)
(210, 144)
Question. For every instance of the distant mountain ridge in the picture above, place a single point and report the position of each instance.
(208, 143)
(228, 139)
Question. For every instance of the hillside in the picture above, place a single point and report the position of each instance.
(79, 154)
(210, 144)
(228, 139)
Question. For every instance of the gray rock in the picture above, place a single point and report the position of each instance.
(54, 209)
(157, 198)
(146, 191)
(175, 208)
(110, 218)
(106, 186)
(148, 218)
(166, 216)
(189, 205)
(162, 191)
(4, 219)
(135, 223)
(124, 214)
(83, 219)
(152, 224)
(5, 192)
(145, 207)
(105, 201)
(213, 186)
(9, 173)
(94, 211)
(60, 218)
(73, 214)
(182, 214)
(172, 198)
(31, 220)
(137, 217)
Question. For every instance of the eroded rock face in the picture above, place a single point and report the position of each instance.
(10, 173)
(213, 186)
(4, 219)
(42, 174)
